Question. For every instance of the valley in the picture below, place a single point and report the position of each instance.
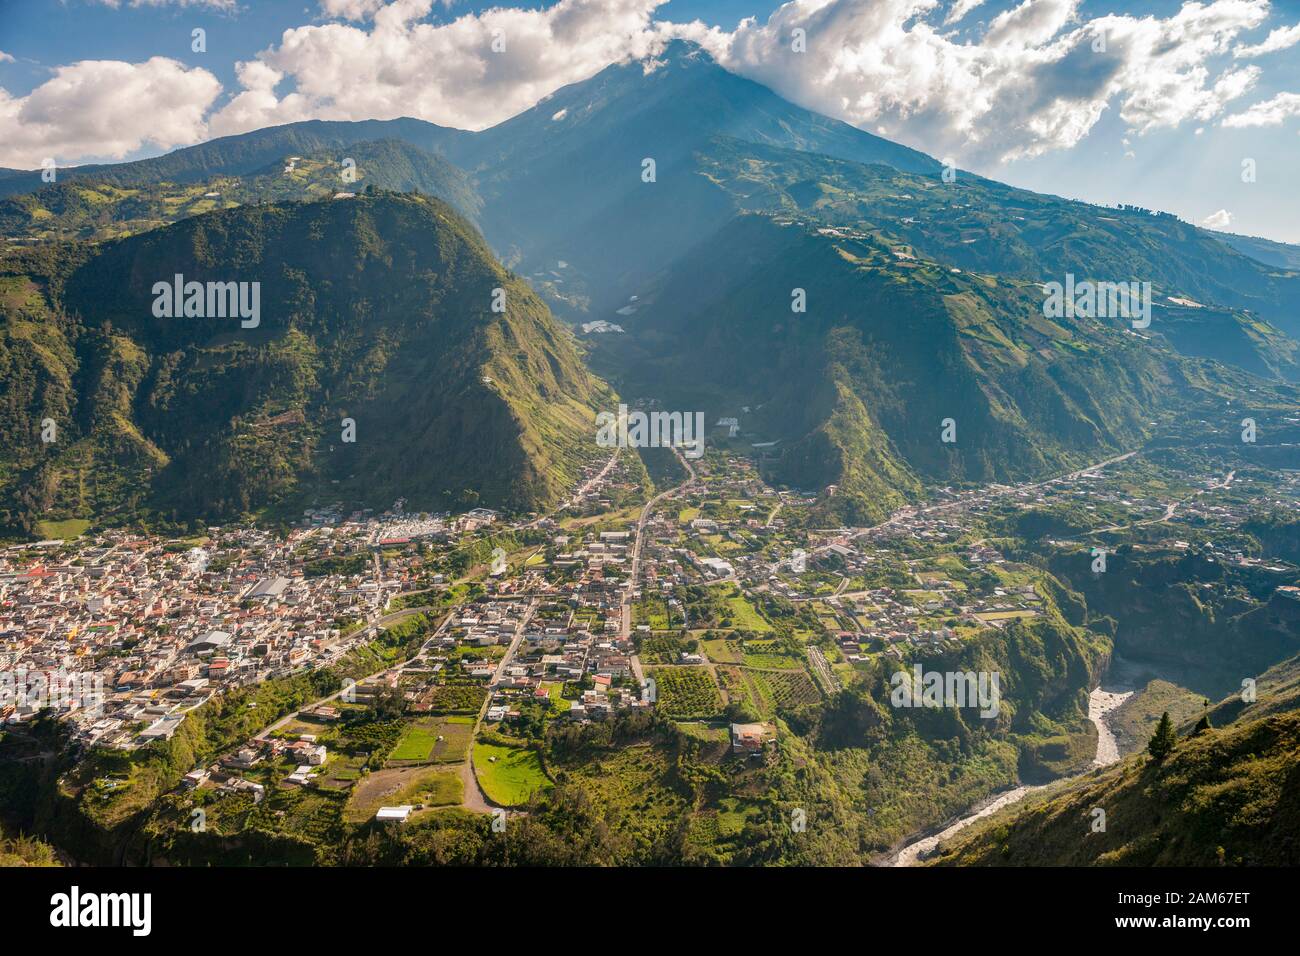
(343, 575)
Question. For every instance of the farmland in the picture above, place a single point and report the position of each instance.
(686, 692)
(433, 740)
(508, 775)
(405, 785)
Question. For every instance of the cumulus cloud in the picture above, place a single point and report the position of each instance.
(1271, 112)
(960, 9)
(350, 9)
(106, 109)
(447, 73)
(5, 57)
(1217, 220)
(1279, 39)
(1038, 79)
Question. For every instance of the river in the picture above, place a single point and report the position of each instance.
(1101, 702)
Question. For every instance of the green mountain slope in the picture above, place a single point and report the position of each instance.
(856, 389)
(375, 309)
(244, 153)
(94, 209)
(979, 225)
(1226, 796)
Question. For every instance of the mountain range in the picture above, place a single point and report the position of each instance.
(377, 311)
(923, 287)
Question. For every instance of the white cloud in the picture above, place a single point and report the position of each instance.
(5, 57)
(446, 73)
(960, 9)
(1217, 220)
(1037, 80)
(1279, 39)
(106, 109)
(350, 9)
(1271, 112)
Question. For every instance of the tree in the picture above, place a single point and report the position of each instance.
(389, 703)
(1164, 740)
(1203, 724)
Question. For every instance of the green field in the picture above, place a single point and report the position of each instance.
(769, 655)
(508, 775)
(417, 742)
(454, 745)
(71, 528)
(743, 615)
(722, 651)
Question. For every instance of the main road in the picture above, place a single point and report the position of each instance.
(904, 514)
(625, 630)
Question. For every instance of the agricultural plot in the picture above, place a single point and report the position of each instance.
(686, 692)
(457, 698)
(341, 772)
(652, 611)
(723, 651)
(416, 741)
(433, 740)
(455, 732)
(508, 775)
(737, 689)
(769, 655)
(1006, 615)
(705, 733)
(743, 615)
(404, 785)
(785, 689)
(662, 649)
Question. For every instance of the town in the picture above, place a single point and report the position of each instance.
(715, 603)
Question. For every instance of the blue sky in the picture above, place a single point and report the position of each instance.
(995, 89)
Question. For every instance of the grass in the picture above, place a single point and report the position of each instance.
(636, 789)
(508, 775)
(722, 651)
(433, 787)
(454, 745)
(1004, 615)
(67, 529)
(769, 655)
(743, 615)
(417, 742)
(1135, 720)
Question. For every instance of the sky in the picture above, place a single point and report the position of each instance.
(1188, 107)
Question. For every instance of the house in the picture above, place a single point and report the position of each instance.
(749, 738)
(300, 777)
(394, 814)
(194, 778)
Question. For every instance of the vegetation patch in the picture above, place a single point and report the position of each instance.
(509, 776)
